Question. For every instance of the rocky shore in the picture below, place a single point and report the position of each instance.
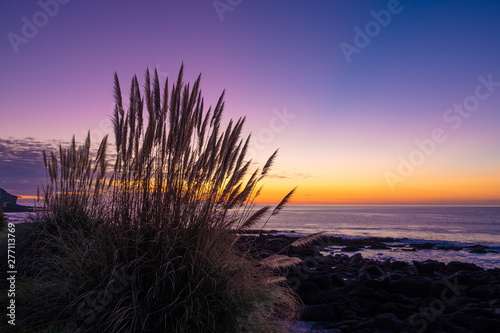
(349, 293)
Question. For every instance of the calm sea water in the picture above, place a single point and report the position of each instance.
(442, 225)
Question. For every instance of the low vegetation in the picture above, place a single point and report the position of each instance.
(142, 238)
(3, 220)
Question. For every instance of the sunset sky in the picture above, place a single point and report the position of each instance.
(369, 102)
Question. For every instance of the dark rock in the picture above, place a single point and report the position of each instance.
(350, 248)
(398, 265)
(339, 307)
(387, 321)
(450, 308)
(445, 291)
(491, 325)
(456, 266)
(428, 267)
(362, 277)
(450, 248)
(451, 327)
(462, 300)
(482, 292)
(346, 324)
(350, 314)
(352, 302)
(388, 307)
(337, 280)
(356, 257)
(471, 279)
(353, 294)
(322, 280)
(495, 303)
(349, 287)
(478, 311)
(363, 325)
(363, 330)
(394, 277)
(318, 313)
(372, 270)
(369, 304)
(363, 291)
(308, 287)
(409, 288)
(478, 249)
(379, 247)
(373, 284)
(424, 246)
(341, 256)
(317, 299)
(407, 309)
(303, 252)
(403, 300)
(383, 296)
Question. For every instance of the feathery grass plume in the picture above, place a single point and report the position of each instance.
(149, 238)
(268, 164)
(303, 241)
(307, 240)
(280, 261)
(280, 206)
(254, 218)
(283, 202)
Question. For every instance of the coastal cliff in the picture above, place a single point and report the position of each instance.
(8, 203)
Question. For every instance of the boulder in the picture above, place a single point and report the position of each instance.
(350, 248)
(428, 267)
(478, 249)
(481, 292)
(372, 270)
(321, 312)
(337, 280)
(456, 266)
(308, 287)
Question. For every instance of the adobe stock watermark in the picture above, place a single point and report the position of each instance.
(266, 135)
(453, 116)
(372, 29)
(31, 26)
(223, 6)
(420, 320)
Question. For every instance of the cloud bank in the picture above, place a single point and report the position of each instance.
(21, 164)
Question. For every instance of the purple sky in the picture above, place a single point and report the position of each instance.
(343, 107)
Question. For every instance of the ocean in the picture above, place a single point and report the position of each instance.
(442, 225)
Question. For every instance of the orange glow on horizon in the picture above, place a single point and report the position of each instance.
(445, 192)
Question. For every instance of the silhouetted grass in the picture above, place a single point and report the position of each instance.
(147, 243)
(3, 219)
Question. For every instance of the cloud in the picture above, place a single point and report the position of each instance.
(290, 175)
(21, 164)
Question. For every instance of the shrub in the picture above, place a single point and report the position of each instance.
(3, 220)
(149, 245)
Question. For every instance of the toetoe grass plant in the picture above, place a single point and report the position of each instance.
(142, 238)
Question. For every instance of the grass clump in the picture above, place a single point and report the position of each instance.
(142, 239)
(3, 220)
